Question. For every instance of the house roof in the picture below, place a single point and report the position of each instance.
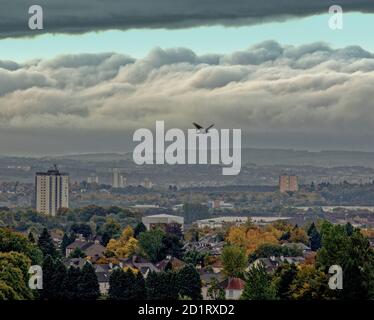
(298, 245)
(233, 284)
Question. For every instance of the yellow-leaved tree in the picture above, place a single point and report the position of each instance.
(125, 246)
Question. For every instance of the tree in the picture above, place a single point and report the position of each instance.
(66, 240)
(268, 250)
(105, 238)
(139, 228)
(31, 237)
(125, 246)
(162, 286)
(58, 279)
(298, 235)
(348, 248)
(88, 286)
(258, 285)
(283, 278)
(12, 241)
(46, 245)
(189, 282)
(48, 267)
(151, 243)
(83, 229)
(77, 253)
(111, 227)
(14, 276)
(70, 285)
(234, 261)
(314, 237)
(309, 284)
(251, 238)
(174, 229)
(125, 285)
(194, 257)
(172, 245)
(215, 291)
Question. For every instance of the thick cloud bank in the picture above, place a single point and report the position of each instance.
(70, 16)
(269, 89)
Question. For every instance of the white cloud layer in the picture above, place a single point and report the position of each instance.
(271, 90)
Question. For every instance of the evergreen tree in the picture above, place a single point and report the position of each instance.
(88, 286)
(115, 284)
(48, 273)
(189, 282)
(314, 237)
(66, 240)
(284, 276)
(139, 228)
(31, 237)
(140, 293)
(162, 286)
(70, 285)
(347, 247)
(105, 238)
(58, 279)
(258, 285)
(124, 285)
(46, 245)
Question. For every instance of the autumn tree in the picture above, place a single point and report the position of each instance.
(125, 246)
(310, 283)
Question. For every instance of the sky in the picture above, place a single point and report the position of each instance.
(97, 72)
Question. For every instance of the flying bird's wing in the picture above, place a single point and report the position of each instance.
(198, 127)
(207, 129)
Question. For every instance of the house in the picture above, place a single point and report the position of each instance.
(92, 249)
(272, 263)
(103, 275)
(233, 287)
(75, 262)
(136, 262)
(298, 245)
(207, 276)
(170, 262)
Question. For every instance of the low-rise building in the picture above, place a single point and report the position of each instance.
(153, 221)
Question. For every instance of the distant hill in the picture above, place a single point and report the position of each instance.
(256, 156)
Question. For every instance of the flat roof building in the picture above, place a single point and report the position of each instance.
(162, 219)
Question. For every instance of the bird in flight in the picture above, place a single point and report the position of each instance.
(200, 129)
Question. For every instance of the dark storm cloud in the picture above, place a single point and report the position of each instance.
(75, 16)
